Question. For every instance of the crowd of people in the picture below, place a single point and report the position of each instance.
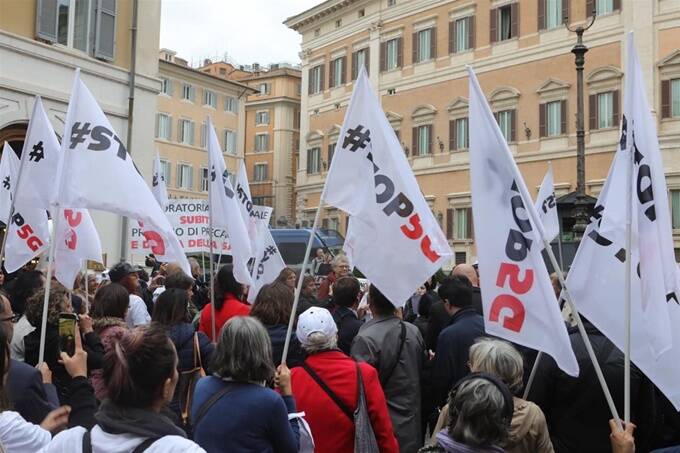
(160, 366)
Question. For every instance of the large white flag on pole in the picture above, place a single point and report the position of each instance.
(77, 242)
(268, 262)
(601, 256)
(398, 243)
(158, 183)
(546, 206)
(97, 172)
(518, 298)
(225, 211)
(6, 182)
(246, 206)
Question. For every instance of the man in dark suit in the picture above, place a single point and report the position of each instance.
(346, 296)
(31, 393)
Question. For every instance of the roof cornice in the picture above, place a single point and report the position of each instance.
(317, 12)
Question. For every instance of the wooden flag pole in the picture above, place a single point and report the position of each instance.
(48, 282)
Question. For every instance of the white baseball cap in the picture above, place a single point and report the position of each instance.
(313, 320)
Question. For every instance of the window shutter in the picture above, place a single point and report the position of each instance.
(565, 10)
(105, 31)
(170, 87)
(169, 127)
(452, 36)
(367, 60)
(414, 149)
(449, 223)
(343, 76)
(355, 70)
(592, 112)
(493, 31)
(542, 119)
(541, 14)
(513, 125)
(383, 56)
(615, 108)
(158, 119)
(429, 139)
(471, 31)
(616, 5)
(665, 99)
(470, 220)
(310, 78)
(322, 77)
(400, 52)
(590, 8)
(514, 20)
(415, 58)
(563, 116)
(331, 74)
(452, 135)
(46, 20)
(309, 161)
(179, 130)
(433, 43)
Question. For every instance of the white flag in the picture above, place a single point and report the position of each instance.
(158, 183)
(6, 181)
(251, 216)
(546, 207)
(97, 172)
(601, 255)
(28, 234)
(399, 243)
(268, 262)
(518, 298)
(225, 210)
(77, 241)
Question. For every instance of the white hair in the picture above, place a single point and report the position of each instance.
(319, 342)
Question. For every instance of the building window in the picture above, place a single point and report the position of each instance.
(205, 181)
(337, 72)
(209, 99)
(185, 177)
(605, 110)
(166, 86)
(166, 168)
(675, 209)
(462, 35)
(424, 45)
(260, 201)
(551, 13)
(163, 126)
(263, 88)
(188, 92)
(316, 79)
(314, 160)
(331, 151)
(463, 224)
(260, 172)
(670, 98)
(262, 142)
(186, 132)
(262, 117)
(504, 22)
(360, 58)
(675, 97)
(604, 7)
(230, 104)
(230, 142)
(552, 119)
(506, 122)
(204, 135)
(390, 54)
(422, 140)
(458, 134)
(391, 2)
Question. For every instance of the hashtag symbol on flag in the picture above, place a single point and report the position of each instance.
(357, 138)
(271, 250)
(155, 180)
(79, 134)
(38, 152)
(5, 183)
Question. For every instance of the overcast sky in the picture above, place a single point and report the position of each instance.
(248, 31)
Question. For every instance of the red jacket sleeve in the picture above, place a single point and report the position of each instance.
(204, 321)
(377, 410)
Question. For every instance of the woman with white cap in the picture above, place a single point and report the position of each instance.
(325, 387)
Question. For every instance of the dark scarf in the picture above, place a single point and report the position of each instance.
(115, 419)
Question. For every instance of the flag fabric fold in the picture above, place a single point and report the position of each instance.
(6, 181)
(546, 206)
(158, 183)
(518, 298)
(401, 244)
(268, 262)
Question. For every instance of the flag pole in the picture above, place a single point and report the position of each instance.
(22, 164)
(48, 282)
(627, 289)
(298, 288)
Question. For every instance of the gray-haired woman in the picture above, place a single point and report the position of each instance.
(233, 410)
(528, 430)
(341, 269)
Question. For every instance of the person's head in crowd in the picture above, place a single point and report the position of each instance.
(150, 260)
(273, 304)
(92, 284)
(317, 330)
(499, 358)
(111, 301)
(7, 317)
(244, 351)
(430, 284)
(378, 303)
(308, 286)
(126, 275)
(424, 305)
(79, 305)
(456, 292)
(346, 291)
(340, 266)
(468, 271)
(226, 284)
(287, 277)
(196, 270)
(59, 302)
(142, 274)
(171, 307)
(180, 280)
(320, 253)
(172, 268)
(480, 411)
(23, 287)
(140, 370)
(557, 286)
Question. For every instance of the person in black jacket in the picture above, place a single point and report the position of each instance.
(575, 407)
(453, 346)
(468, 271)
(346, 297)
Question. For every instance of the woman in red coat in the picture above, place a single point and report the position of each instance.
(227, 303)
(332, 428)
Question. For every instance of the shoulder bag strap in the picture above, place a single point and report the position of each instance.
(329, 392)
(197, 352)
(208, 404)
(360, 383)
(87, 442)
(144, 445)
(396, 362)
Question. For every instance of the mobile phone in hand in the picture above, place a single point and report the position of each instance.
(67, 333)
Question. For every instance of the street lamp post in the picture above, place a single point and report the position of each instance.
(579, 51)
